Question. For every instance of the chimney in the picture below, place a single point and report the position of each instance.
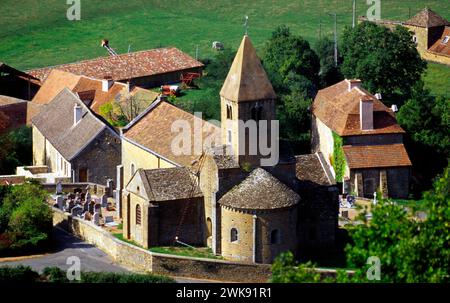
(76, 113)
(353, 83)
(394, 108)
(107, 82)
(378, 96)
(366, 113)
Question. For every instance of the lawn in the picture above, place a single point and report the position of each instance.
(195, 252)
(37, 33)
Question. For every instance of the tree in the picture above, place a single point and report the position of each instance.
(286, 54)
(427, 119)
(16, 149)
(329, 73)
(25, 218)
(409, 249)
(387, 61)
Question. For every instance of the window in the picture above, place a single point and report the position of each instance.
(138, 215)
(415, 39)
(132, 169)
(234, 235)
(446, 39)
(229, 137)
(229, 112)
(275, 236)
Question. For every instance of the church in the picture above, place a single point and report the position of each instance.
(227, 198)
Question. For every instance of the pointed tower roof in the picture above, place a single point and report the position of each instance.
(247, 80)
(427, 18)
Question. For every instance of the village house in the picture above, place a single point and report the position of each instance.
(431, 34)
(73, 143)
(149, 68)
(93, 92)
(347, 118)
(224, 199)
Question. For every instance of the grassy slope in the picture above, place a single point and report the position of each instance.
(37, 33)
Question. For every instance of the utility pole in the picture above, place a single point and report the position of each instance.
(354, 13)
(335, 39)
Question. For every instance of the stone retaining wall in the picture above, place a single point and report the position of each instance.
(140, 259)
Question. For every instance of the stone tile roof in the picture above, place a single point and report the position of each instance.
(169, 184)
(153, 131)
(338, 109)
(427, 18)
(127, 66)
(371, 156)
(247, 80)
(57, 125)
(260, 191)
(441, 48)
(313, 169)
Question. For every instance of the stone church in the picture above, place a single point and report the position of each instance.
(227, 198)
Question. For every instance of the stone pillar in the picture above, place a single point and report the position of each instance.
(255, 222)
(151, 231)
(119, 188)
(359, 189)
(383, 184)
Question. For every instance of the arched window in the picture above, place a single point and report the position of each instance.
(229, 112)
(275, 236)
(132, 169)
(234, 235)
(138, 215)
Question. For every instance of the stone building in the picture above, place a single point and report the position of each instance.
(149, 68)
(73, 142)
(431, 34)
(372, 140)
(225, 198)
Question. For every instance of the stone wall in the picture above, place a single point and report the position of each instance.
(138, 259)
(11, 179)
(100, 158)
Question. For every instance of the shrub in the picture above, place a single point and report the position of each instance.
(16, 274)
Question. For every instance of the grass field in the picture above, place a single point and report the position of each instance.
(37, 33)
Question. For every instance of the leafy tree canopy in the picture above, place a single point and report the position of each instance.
(427, 119)
(386, 61)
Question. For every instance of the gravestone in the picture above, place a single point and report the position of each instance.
(70, 205)
(91, 207)
(59, 188)
(82, 196)
(104, 201)
(60, 202)
(109, 219)
(96, 218)
(86, 206)
(88, 197)
(77, 211)
(98, 208)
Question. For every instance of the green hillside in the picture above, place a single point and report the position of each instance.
(37, 33)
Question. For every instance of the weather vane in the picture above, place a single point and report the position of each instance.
(246, 25)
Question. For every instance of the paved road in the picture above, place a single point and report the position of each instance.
(91, 258)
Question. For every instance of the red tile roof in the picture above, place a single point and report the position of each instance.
(441, 48)
(127, 66)
(153, 130)
(338, 108)
(371, 156)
